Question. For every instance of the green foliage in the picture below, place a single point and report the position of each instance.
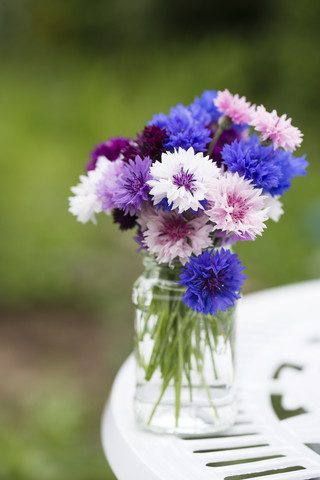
(50, 435)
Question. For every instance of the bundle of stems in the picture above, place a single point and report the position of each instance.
(181, 339)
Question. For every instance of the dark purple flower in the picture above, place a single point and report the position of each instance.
(151, 142)
(213, 281)
(110, 149)
(125, 222)
(130, 152)
(132, 185)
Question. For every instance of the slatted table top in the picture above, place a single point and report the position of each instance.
(277, 433)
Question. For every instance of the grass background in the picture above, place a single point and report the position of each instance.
(73, 75)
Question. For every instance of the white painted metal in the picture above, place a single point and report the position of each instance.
(278, 327)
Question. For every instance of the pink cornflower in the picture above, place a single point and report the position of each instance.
(236, 207)
(275, 128)
(170, 236)
(237, 108)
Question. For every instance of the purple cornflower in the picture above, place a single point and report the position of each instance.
(213, 280)
(132, 185)
(184, 179)
(107, 185)
(139, 238)
(110, 149)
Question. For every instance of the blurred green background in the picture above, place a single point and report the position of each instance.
(74, 73)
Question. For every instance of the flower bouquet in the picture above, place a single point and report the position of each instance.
(191, 185)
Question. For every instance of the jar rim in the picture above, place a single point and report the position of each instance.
(150, 260)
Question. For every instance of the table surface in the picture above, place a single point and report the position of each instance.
(277, 432)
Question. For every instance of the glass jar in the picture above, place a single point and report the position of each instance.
(184, 359)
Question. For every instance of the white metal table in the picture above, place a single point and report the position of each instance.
(277, 433)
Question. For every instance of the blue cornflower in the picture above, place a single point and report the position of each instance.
(185, 127)
(269, 169)
(199, 114)
(206, 102)
(213, 280)
(253, 162)
(291, 167)
(132, 185)
(164, 205)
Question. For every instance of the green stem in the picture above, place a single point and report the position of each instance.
(214, 140)
(211, 350)
(178, 375)
(199, 356)
(139, 357)
(156, 352)
(187, 374)
(168, 354)
(177, 339)
(161, 333)
(164, 388)
(207, 389)
(188, 350)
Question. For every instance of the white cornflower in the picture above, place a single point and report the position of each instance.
(274, 207)
(183, 178)
(85, 204)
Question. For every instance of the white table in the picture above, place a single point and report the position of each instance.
(277, 433)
